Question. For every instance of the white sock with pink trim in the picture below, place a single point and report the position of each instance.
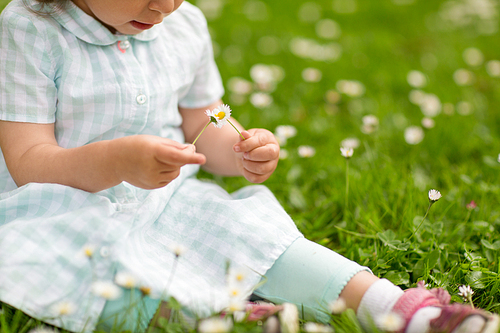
(377, 302)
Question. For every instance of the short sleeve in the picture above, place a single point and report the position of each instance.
(27, 89)
(207, 86)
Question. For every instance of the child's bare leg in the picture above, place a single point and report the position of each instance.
(356, 288)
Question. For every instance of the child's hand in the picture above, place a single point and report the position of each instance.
(260, 154)
(151, 162)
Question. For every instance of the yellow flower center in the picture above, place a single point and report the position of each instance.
(64, 310)
(88, 252)
(145, 290)
(221, 115)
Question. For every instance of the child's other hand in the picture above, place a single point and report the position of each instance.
(260, 154)
(151, 162)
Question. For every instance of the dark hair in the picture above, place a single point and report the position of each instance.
(46, 6)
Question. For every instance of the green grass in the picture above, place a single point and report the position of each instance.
(388, 178)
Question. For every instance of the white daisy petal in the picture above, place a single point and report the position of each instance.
(289, 318)
(414, 135)
(215, 325)
(125, 280)
(63, 308)
(306, 151)
(338, 306)
(391, 322)
(106, 289)
(434, 195)
(346, 152)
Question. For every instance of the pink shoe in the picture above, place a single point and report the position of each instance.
(261, 310)
(452, 315)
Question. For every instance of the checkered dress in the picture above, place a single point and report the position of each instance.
(69, 69)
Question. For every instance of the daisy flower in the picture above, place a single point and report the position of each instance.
(145, 290)
(289, 318)
(219, 117)
(237, 304)
(338, 306)
(346, 152)
(370, 124)
(285, 131)
(391, 322)
(306, 151)
(106, 289)
(42, 330)
(235, 290)
(414, 135)
(126, 280)
(238, 275)
(434, 195)
(465, 292)
(317, 328)
(215, 325)
(261, 99)
(493, 68)
(311, 74)
(89, 250)
(428, 122)
(416, 79)
(350, 143)
(63, 308)
(177, 249)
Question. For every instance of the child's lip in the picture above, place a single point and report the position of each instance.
(141, 26)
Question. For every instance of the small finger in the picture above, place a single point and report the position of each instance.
(246, 134)
(255, 178)
(259, 168)
(262, 154)
(169, 175)
(177, 145)
(248, 144)
(180, 156)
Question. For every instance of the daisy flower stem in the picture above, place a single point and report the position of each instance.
(470, 301)
(418, 227)
(170, 278)
(174, 266)
(204, 128)
(346, 183)
(468, 216)
(235, 129)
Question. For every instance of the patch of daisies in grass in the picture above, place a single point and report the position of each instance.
(393, 228)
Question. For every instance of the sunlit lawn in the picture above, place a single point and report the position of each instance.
(336, 62)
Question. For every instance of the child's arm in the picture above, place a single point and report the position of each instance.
(227, 154)
(33, 155)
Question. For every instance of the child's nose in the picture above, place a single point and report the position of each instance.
(163, 6)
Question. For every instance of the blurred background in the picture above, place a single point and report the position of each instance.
(413, 83)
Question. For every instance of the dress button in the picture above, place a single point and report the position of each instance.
(123, 45)
(141, 99)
